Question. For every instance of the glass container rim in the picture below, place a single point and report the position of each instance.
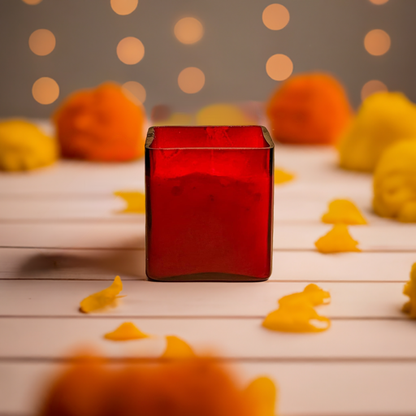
(151, 136)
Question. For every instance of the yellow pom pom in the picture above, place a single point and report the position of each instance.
(222, 115)
(383, 119)
(394, 182)
(23, 146)
(410, 290)
(336, 241)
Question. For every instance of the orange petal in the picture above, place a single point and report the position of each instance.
(177, 348)
(337, 240)
(135, 202)
(101, 299)
(296, 318)
(125, 332)
(262, 392)
(281, 176)
(343, 211)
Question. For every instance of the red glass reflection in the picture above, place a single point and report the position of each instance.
(209, 203)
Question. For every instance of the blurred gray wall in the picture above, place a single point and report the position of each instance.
(322, 35)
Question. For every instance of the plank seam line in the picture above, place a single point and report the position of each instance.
(195, 317)
(295, 250)
(306, 360)
(138, 279)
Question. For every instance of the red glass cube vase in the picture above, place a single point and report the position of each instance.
(209, 203)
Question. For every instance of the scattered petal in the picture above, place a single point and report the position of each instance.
(125, 332)
(337, 240)
(343, 211)
(300, 317)
(177, 348)
(281, 176)
(103, 298)
(262, 392)
(135, 202)
(410, 290)
(312, 294)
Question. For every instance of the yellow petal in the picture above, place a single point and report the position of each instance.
(296, 318)
(410, 290)
(262, 392)
(342, 211)
(177, 348)
(281, 176)
(312, 294)
(135, 202)
(125, 332)
(103, 298)
(337, 240)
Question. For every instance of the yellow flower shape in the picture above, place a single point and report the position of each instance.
(177, 348)
(300, 317)
(125, 332)
(23, 146)
(136, 203)
(394, 182)
(281, 176)
(343, 211)
(296, 312)
(262, 392)
(410, 290)
(337, 240)
(103, 298)
(383, 119)
(312, 294)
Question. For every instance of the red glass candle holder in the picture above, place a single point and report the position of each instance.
(209, 203)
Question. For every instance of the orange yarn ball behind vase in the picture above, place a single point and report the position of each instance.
(100, 124)
(309, 109)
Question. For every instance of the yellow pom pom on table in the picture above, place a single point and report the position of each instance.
(23, 146)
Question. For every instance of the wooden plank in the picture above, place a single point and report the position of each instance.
(53, 298)
(231, 338)
(401, 237)
(36, 263)
(288, 208)
(326, 389)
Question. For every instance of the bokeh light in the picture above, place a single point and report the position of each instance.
(45, 90)
(124, 7)
(372, 87)
(378, 2)
(377, 42)
(188, 30)
(279, 67)
(130, 50)
(32, 2)
(42, 42)
(275, 16)
(135, 91)
(191, 80)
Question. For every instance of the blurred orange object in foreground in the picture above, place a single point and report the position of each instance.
(309, 109)
(197, 387)
(100, 124)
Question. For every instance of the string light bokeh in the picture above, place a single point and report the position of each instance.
(187, 56)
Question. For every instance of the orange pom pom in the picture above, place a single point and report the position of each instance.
(100, 124)
(309, 109)
(196, 386)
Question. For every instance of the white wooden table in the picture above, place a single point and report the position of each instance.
(62, 240)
